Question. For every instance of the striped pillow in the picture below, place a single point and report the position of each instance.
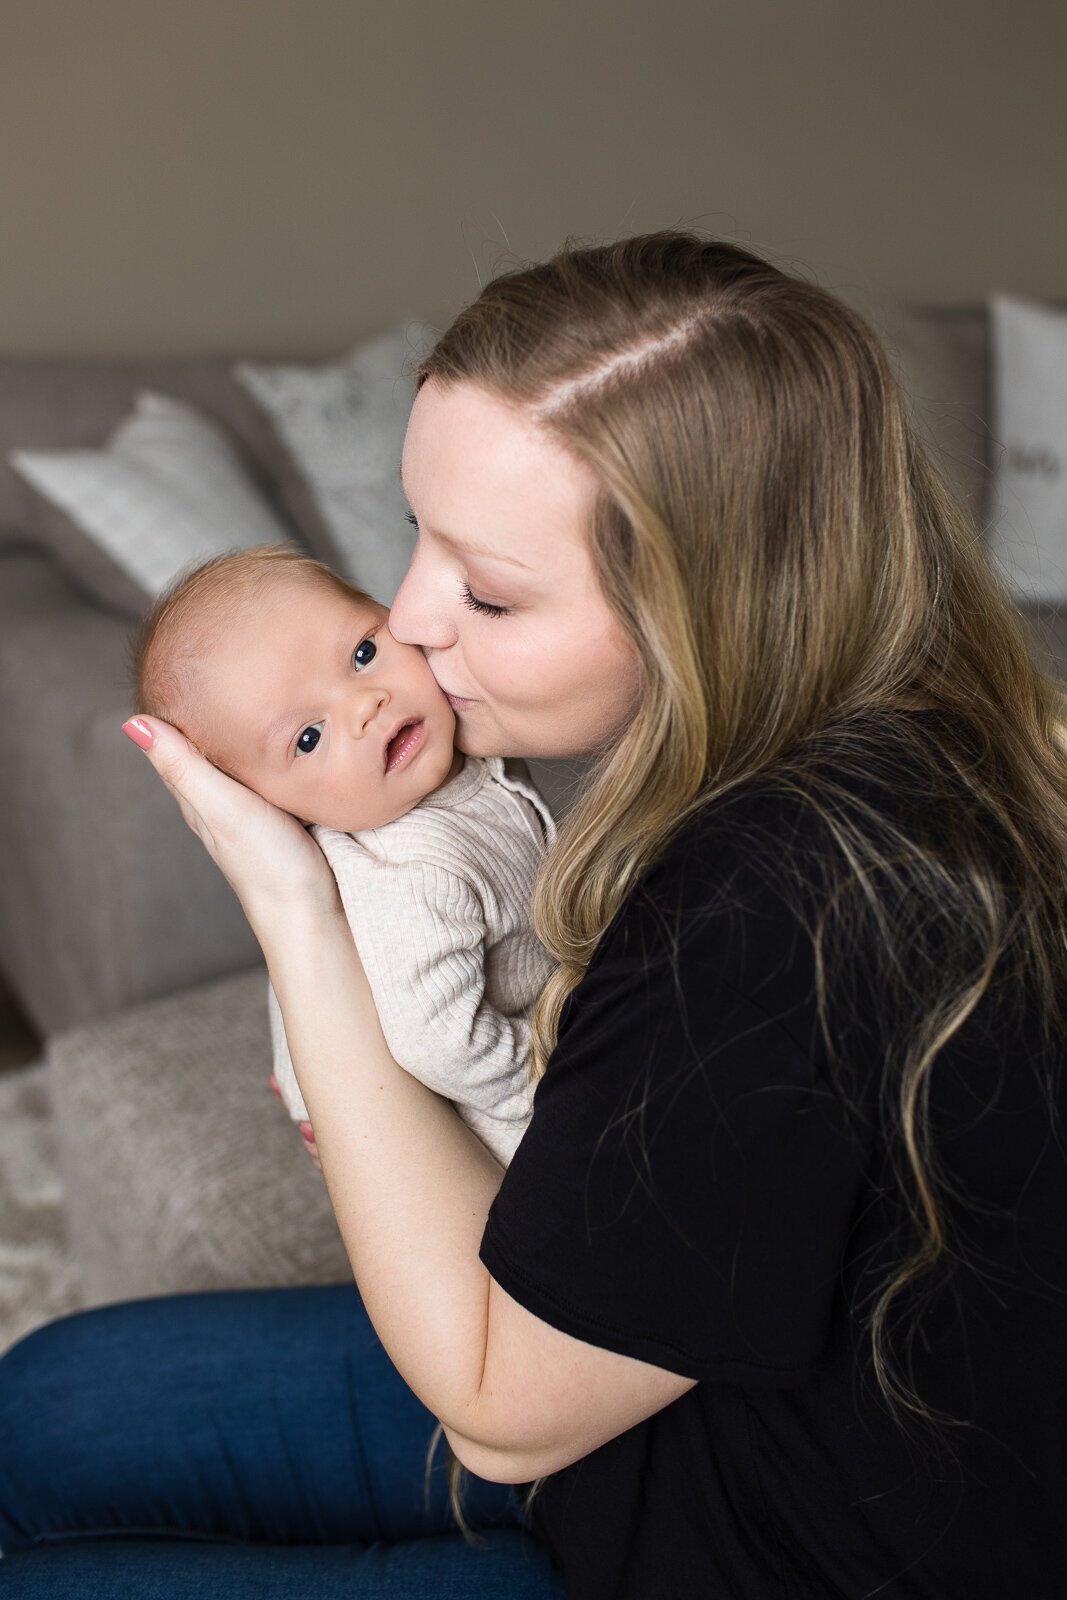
(167, 490)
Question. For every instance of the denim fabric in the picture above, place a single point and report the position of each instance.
(257, 1443)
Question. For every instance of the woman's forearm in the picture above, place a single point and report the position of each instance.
(411, 1186)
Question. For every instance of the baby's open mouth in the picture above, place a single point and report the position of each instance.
(404, 743)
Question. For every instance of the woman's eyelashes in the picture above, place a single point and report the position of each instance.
(483, 608)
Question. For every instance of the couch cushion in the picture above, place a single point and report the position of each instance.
(108, 898)
(38, 1278)
(182, 1170)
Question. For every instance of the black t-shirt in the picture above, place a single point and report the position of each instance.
(701, 1190)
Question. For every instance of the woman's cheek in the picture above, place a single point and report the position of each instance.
(529, 666)
(492, 665)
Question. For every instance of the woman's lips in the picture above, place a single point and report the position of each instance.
(457, 702)
(404, 745)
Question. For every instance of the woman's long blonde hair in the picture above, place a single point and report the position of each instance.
(794, 575)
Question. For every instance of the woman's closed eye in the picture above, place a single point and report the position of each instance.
(483, 607)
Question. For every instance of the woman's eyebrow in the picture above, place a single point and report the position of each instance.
(482, 550)
(470, 549)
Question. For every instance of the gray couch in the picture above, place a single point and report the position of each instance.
(120, 939)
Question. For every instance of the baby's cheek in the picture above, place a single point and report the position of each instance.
(289, 797)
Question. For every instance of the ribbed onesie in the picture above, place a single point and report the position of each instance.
(439, 907)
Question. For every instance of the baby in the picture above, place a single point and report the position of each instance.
(288, 678)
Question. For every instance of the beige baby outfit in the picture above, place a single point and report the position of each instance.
(439, 907)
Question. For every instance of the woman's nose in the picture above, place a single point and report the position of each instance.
(419, 614)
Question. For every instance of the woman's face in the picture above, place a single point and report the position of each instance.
(501, 593)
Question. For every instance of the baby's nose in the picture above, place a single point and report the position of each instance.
(364, 708)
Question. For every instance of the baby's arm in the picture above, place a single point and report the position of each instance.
(429, 986)
(421, 932)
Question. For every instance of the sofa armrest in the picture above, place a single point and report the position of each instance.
(108, 898)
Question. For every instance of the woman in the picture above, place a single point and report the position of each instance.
(772, 1298)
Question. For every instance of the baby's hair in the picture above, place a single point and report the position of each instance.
(186, 621)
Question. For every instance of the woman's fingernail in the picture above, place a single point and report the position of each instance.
(306, 1133)
(139, 732)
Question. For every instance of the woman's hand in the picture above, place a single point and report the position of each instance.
(410, 1184)
(266, 855)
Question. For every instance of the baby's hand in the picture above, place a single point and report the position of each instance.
(305, 1130)
(309, 1144)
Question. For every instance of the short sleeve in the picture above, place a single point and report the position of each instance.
(685, 1190)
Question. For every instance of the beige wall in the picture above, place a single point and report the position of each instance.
(283, 175)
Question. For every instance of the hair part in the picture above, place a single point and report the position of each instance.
(787, 562)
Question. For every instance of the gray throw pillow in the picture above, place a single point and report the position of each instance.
(1029, 366)
(342, 424)
(165, 491)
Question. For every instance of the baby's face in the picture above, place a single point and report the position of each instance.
(315, 705)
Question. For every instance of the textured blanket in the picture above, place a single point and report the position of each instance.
(37, 1277)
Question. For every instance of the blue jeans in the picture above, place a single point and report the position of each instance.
(255, 1444)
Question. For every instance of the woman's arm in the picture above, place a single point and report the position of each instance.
(410, 1185)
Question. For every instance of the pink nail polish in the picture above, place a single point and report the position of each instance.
(139, 732)
(306, 1133)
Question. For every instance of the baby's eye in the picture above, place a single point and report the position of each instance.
(309, 739)
(364, 654)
